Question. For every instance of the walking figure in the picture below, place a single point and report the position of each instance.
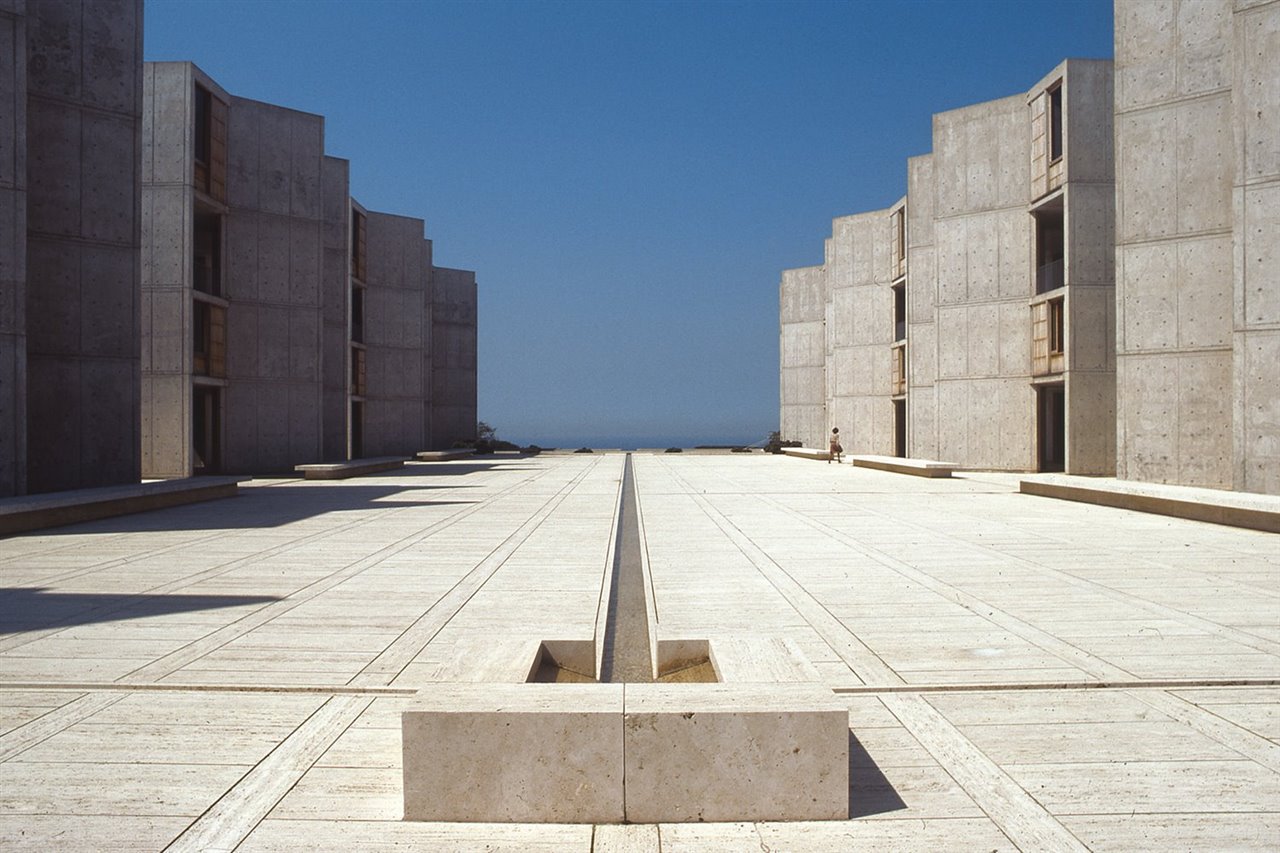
(834, 449)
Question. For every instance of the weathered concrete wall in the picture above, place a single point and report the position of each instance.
(922, 285)
(982, 246)
(167, 198)
(13, 247)
(1256, 226)
(272, 408)
(1198, 210)
(83, 114)
(802, 349)
(1089, 218)
(336, 302)
(859, 331)
(453, 356)
(397, 331)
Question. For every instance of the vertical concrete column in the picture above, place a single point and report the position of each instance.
(84, 99)
(1256, 227)
(453, 356)
(1174, 241)
(13, 247)
(922, 283)
(336, 307)
(802, 353)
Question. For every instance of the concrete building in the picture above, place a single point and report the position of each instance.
(1197, 111)
(971, 320)
(70, 106)
(283, 322)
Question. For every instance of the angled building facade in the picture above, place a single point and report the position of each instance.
(283, 322)
(964, 322)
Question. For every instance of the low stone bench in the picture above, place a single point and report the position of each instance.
(350, 468)
(904, 465)
(1237, 509)
(807, 453)
(34, 512)
(443, 455)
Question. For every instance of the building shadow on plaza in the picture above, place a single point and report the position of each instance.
(870, 792)
(24, 609)
(266, 507)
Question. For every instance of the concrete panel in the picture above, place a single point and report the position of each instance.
(109, 179)
(53, 167)
(307, 138)
(53, 297)
(273, 340)
(953, 343)
(108, 310)
(1260, 248)
(304, 263)
(921, 355)
(1090, 225)
(1091, 413)
(168, 102)
(112, 33)
(1091, 329)
(921, 282)
(244, 341)
(1146, 51)
(166, 237)
(952, 260)
(1089, 127)
(1258, 450)
(1257, 91)
(273, 258)
(243, 278)
(110, 430)
(304, 345)
(1205, 165)
(1013, 229)
(1203, 55)
(982, 257)
(1014, 338)
(1204, 284)
(1150, 296)
(1204, 420)
(953, 429)
(54, 414)
(983, 335)
(1146, 172)
(56, 49)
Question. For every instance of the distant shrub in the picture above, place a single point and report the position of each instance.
(583, 450)
(674, 450)
(741, 450)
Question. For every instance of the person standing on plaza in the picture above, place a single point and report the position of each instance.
(834, 449)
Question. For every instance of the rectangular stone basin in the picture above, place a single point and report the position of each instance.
(613, 753)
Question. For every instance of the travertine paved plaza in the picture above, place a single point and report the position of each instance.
(1020, 672)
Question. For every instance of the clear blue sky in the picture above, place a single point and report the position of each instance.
(628, 180)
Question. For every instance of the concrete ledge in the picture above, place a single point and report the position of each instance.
(903, 465)
(35, 512)
(807, 453)
(1237, 509)
(443, 455)
(350, 468)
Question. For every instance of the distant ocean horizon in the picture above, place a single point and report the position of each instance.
(607, 442)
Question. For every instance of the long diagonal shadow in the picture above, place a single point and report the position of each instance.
(870, 792)
(35, 609)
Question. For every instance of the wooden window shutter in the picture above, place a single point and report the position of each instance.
(359, 265)
(217, 341)
(1040, 339)
(218, 149)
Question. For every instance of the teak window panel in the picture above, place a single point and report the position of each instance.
(899, 378)
(210, 145)
(359, 244)
(209, 340)
(1048, 337)
(898, 239)
(357, 372)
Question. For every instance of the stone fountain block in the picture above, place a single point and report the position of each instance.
(735, 752)
(514, 753)
(688, 752)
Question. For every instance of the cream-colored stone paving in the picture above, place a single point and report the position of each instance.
(230, 675)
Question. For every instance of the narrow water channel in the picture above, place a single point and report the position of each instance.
(626, 637)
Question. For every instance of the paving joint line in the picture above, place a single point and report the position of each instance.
(1137, 684)
(178, 687)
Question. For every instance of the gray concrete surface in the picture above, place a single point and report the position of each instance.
(1020, 672)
